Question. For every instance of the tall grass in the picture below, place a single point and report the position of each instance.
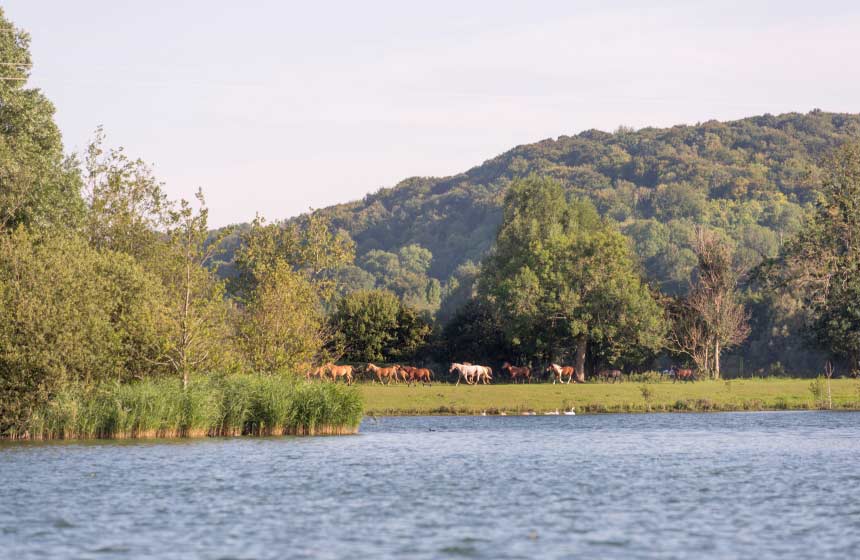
(213, 406)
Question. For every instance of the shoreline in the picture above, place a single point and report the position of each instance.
(608, 412)
(738, 395)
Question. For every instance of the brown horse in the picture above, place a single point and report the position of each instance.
(339, 371)
(686, 375)
(388, 373)
(612, 375)
(415, 375)
(524, 372)
(311, 372)
(558, 372)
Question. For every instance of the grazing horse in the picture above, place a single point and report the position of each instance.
(471, 374)
(524, 372)
(339, 371)
(415, 374)
(388, 373)
(612, 375)
(558, 372)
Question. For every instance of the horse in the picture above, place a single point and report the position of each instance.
(687, 375)
(415, 374)
(471, 374)
(388, 373)
(317, 372)
(524, 372)
(612, 375)
(559, 372)
(485, 375)
(339, 371)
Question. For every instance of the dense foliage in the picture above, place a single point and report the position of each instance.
(108, 292)
(751, 181)
(562, 278)
(376, 326)
(821, 264)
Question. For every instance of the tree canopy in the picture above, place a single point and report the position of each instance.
(564, 279)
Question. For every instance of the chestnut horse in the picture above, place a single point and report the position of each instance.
(388, 373)
(422, 375)
(524, 372)
(339, 371)
(559, 372)
(683, 375)
(311, 372)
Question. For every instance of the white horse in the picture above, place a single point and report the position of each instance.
(485, 375)
(471, 374)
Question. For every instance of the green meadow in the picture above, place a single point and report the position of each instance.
(729, 395)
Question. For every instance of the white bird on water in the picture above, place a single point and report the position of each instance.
(551, 413)
(570, 412)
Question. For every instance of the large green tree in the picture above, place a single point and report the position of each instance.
(822, 262)
(39, 186)
(69, 313)
(565, 279)
(374, 325)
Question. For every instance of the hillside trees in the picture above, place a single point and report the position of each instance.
(405, 273)
(564, 278)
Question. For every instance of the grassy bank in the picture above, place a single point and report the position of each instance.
(741, 394)
(214, 406)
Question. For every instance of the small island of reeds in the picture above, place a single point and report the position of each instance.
(230, 405)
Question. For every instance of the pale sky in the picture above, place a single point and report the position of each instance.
(276, 107)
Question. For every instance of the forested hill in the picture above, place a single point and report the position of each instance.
(749, 178)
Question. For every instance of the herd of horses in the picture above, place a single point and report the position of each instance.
(473, 374)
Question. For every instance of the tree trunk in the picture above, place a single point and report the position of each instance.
(717, 352)
(581, 347)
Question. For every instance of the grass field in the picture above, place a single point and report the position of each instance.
(739, 394)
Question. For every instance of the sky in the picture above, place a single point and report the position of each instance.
(276, 107)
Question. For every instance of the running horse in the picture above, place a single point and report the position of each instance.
(388, 373)
(686, 375)
(415, 374)
(558, 372)
(524, 372)
(339, 371)
(471, 374)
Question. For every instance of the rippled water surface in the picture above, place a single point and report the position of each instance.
(762, 485)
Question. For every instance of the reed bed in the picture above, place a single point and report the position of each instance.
(215, 406)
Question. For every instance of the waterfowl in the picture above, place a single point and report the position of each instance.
(551, 413)
(569, 412)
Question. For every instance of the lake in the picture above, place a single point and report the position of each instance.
(764, 485)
